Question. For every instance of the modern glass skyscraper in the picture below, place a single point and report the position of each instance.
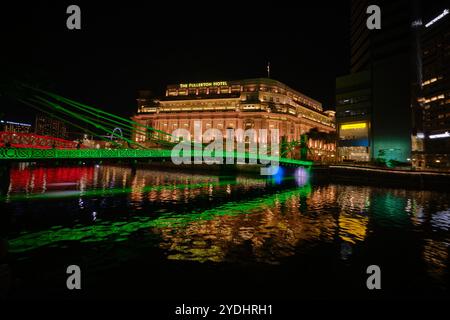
(434, 100)
(374, 102)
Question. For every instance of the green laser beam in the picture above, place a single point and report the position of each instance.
(66, 121)
(69, 101)
(96, 125)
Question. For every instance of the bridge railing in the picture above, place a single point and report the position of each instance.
(30, 154)
(32, 140)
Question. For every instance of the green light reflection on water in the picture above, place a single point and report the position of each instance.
(119, 231)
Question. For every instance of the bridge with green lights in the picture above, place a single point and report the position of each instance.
(32, 154)
(104, 126)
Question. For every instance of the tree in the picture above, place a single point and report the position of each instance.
(304, 148)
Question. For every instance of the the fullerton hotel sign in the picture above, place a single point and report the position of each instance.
(203, 84)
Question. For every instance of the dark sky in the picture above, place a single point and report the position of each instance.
(127, 46)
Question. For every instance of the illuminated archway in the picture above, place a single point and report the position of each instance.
(116, 132)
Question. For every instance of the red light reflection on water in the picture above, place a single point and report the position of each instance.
(41, 179)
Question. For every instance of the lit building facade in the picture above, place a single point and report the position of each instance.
(435, 94)
(12, 126)
(374, 102)
(245, 104)
(353, 114)
(47, 126)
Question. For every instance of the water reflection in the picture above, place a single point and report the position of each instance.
(435, 255)
(262, 230)
(194, 217)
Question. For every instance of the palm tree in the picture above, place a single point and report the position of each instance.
(304, 147)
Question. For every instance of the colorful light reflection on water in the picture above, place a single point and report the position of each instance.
(217, 219)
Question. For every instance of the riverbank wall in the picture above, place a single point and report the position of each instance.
(407, 179)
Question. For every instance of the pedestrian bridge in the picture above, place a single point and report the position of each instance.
(32, 154)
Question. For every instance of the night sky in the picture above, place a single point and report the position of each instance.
(127, 46)
(122, 49)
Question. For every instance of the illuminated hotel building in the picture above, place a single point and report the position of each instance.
(244, 104)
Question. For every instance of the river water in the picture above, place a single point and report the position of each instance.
(162, 235)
